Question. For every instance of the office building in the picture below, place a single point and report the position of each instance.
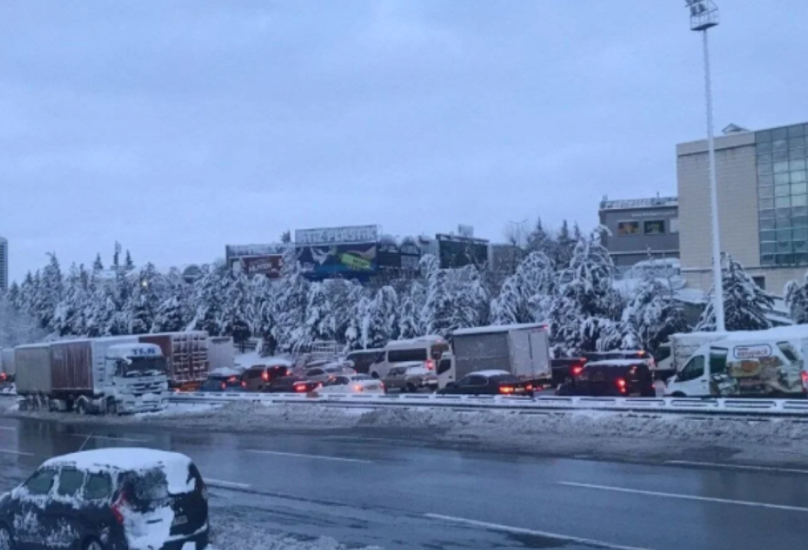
(640, 229)
(762, 204)
(3, 263)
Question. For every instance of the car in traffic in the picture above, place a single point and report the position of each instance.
(223, 380)
(612, 378)
(489, 382)
(362, 359)
(108, 499)
(327, 372)
(411, 377)
(566, 368)
(292, 384)
(352, 383)
(258, 377)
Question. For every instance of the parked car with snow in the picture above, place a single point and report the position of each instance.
(611, 378)
(489, 382)
(352, 383)
(108, 499)
(426, 349)
(767, 363)
(411, 377)
(292, 384)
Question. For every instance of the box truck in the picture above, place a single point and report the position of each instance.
(100, 375)
(221, 352)
(186, 355)
(766, 363)
(521, 349)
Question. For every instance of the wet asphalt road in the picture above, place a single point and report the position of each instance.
(367, 490)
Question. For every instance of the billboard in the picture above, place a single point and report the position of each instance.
(242, 250)
(455, 252)
(410, 255)
(343, 259)
(337, 235)
(269, 265)
(388, 256)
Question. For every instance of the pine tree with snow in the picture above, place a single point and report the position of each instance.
(209, 296)
(48, 293)
(144, 300)
(796, 298)
(745, 304)
(438, 310)
(355, 334)
(320, 321)
(566, 241)
(409, 321)
(382, 319)
(290, 304)
(128, 264)
(237, 305)
(169, 316)
(98, 266)
(652, 314)
(506, 308)
(343, 295)
(470, 298)
(428, 264)
(71, 314)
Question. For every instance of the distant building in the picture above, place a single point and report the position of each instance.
(762, 204)
(641, 229)
(3, 263)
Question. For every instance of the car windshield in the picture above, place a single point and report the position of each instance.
(142, 366)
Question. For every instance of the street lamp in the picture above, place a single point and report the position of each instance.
(703, 17)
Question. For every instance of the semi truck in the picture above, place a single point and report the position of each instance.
(767, 363)
(100, 375)
(186, 355)
(521, 349)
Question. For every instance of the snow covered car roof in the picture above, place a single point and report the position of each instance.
(224, 372)
(490, 373)
(174, 465)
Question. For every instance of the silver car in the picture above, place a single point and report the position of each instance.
(411, 377)
(328, 372)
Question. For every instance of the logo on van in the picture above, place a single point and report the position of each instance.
(753, 352)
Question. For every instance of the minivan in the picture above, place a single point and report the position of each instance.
(426, 349)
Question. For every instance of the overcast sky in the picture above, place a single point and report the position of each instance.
(177, 127)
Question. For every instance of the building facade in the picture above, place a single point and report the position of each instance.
(3, 263)
(640, 229)
(762, 205)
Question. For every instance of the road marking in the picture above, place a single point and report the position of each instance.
(91, 436)
(226, 484)
(21, 453)
(522, 531)
(320, 457)
(358, 438)
(686, 497)
(735, 466)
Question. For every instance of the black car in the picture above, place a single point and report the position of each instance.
(108, 499)
(612, 378)
(492, 382)
(292, 384)
(222, 382)
(566, 368)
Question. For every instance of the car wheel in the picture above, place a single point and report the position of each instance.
(112, 407)
(678, 394)
(6, 542)
(92, 544)
(411, 388)
(81, 408)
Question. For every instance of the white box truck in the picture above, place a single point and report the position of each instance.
(767, 363)
(521, 349)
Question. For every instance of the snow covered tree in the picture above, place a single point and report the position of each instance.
(470, 298)
(541, 240)
(745, 303)
(237, 305)
(320, 322)
(357, 324)
(209, 296)
(506, 307)
(796, 297)
(16, 326)
(428, 264)
(98, 266)
(144, 300)
(652, 313)
(566, 242)
(47, 293)
(409, 321)
(169, 316)
(128, 264)
(438, 309)
(343, 295)
(72, 312)
(381, 325)
(290, 304)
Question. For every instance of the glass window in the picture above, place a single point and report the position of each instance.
(767, 259)
(628, 228)
(784, 247)
(800, 246)
(780, 156)
(799, 188)
(763, 148)
(798, 177)
(783, 235)
(781, 191)
(718, 360)
(766, 214)
(784, 259)
(694, 369)
(769, 236)
(799, 211)
(766, 203)
(98, 486)
(763, 136)
(796, 131)
(781, 166)
(797, 165)
(800, 234)
(801, 259)
(782, 213)
(779, 133)
(766, 191)
(797, 153)
(768, 248)
(654, 227)
(70, 481)
(800, 221)
(767, 224)
(798, 200)
(674, 225)
(444, 365)
(781, 179)
(783, 223)
(40, 483)
(780, 144)
(782, 202)
(764, 168)
(401, 355)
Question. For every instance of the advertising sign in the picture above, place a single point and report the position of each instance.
(753, 352)
(343, 258)
(456, 252)
(410, 255)
(388, 256)
(242, 250)
(337, 235)
(269, 265)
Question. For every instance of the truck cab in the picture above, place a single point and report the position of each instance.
(743, 368)
(137, 380)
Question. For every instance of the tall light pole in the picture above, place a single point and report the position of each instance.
(703, 17)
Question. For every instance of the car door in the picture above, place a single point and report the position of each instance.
(692, 381)
(30, 519)
(64, 514)
(338, 384)
(474, 385)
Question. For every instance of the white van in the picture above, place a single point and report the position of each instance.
(428, 349)
(768, 363)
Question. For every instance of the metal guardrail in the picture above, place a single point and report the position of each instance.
(746, 407)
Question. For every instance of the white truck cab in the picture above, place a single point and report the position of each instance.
(745, 365)
(136, 379)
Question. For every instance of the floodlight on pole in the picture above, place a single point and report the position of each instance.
(703, 17)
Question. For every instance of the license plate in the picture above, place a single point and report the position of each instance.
(520, 390)
(179, 520)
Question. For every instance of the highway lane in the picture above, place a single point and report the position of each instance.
(379, 490)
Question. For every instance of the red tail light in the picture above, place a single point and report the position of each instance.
(358, 387)
(243, 384)
(118, 506)
(265, 376)
(805, 380)
(300, 386)
(506, 389)
(430, 364)
(621, 385)
(577, 369)
(529, 387)
(224, 385)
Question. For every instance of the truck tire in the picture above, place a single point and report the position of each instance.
(678, 394)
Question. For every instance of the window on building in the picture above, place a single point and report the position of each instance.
(760, 281)
(654, 227)
(674, 225)
(628, 228)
